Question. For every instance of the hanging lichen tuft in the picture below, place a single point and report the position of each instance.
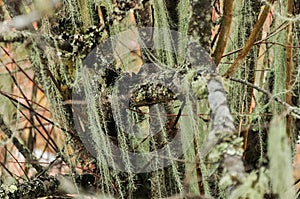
(184, 15)
(279, 62)
(45, 70)
(163, 39)
(72, 10)
(114, 132)
(279, 153)
(237, 40)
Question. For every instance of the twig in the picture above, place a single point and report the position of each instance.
(279, 44)
(11, 98)
(21, 69)
(269, 95)
(250, 42)
(280, 28)
(22, 149)
(25, 97)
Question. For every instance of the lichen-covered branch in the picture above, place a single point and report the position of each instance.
(31, 189)
(53, 186)
(222, 149)
(13, 36)
(223, 145)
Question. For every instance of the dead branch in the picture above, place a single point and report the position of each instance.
(224, 32)
(250, 42)
(289, 67)
(22, 149)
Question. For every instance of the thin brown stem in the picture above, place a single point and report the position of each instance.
(22, 149)
(292, 109)
(224, 32)
(289, 67)
(280, 28)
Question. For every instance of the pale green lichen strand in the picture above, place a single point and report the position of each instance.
(279, 153)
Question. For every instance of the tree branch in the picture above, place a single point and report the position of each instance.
(289, 66)
(225, 31)
(31, 189)
(251, 40)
